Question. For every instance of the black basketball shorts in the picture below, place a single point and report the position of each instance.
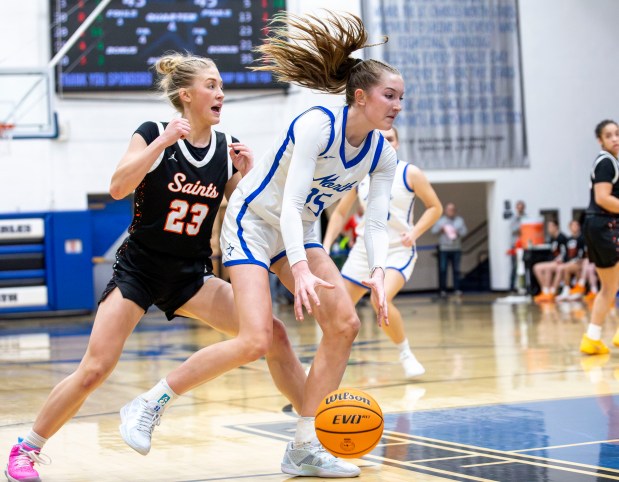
(150, 278)
(602, 240)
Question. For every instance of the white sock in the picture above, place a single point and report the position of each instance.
(404, 348)
(594, 331)
(160, 393)
(34, 440)
(552, 290)
(545, 290)
(581, 282)
(306, 432)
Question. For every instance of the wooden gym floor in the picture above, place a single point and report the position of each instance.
(506, 397)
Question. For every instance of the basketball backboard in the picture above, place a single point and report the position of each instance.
(26, 97)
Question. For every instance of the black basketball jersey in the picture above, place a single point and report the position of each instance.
(575, 247)
(605, 169)
(558, 246)
(176, 203)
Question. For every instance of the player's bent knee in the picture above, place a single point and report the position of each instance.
(255, 347)
(94, 374)
(354, 326)
(346, 327)
(280, 337)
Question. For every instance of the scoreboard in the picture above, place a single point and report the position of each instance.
(118, 50)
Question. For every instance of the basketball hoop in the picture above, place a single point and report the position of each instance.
(6, 136)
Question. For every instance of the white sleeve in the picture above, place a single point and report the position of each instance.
(312, 132)
(376, 236)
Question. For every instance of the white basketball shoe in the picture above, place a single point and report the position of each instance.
(312, 460)
(138, 420)
(412, 367)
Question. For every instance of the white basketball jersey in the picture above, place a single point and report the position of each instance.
(400, 207)
(335, 173)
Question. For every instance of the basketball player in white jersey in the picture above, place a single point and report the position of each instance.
(180, 172)
(271, 217)
(409, 184)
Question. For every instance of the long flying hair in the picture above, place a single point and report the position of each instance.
(314, 52)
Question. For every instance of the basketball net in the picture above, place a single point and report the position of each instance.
(6, 136)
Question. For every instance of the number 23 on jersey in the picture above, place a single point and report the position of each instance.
(178, 222)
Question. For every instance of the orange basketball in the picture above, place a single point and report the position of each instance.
(349, 423)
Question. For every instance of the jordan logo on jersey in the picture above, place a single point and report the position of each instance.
(173, 157)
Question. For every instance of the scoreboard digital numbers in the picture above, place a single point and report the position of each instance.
(118, 50)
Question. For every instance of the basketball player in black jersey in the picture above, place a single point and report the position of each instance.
(601, 230)
(180, 172)
(548, 273)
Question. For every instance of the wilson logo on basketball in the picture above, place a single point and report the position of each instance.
(346, 396)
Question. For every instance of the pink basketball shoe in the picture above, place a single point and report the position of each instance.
(21, 464)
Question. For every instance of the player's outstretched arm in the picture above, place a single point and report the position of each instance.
(338, 218)
(376, 283)
(418, 181)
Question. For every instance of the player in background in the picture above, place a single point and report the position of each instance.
(180, 172)
(271, 217)
(548, 273)
(587, 276)
(601, 230)
(574, 255)
(409, 184)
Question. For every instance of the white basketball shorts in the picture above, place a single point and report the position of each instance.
(246, 238)
(399, 258)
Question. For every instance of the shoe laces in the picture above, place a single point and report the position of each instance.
(27, 458)
(318, 451)
(148, 419)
